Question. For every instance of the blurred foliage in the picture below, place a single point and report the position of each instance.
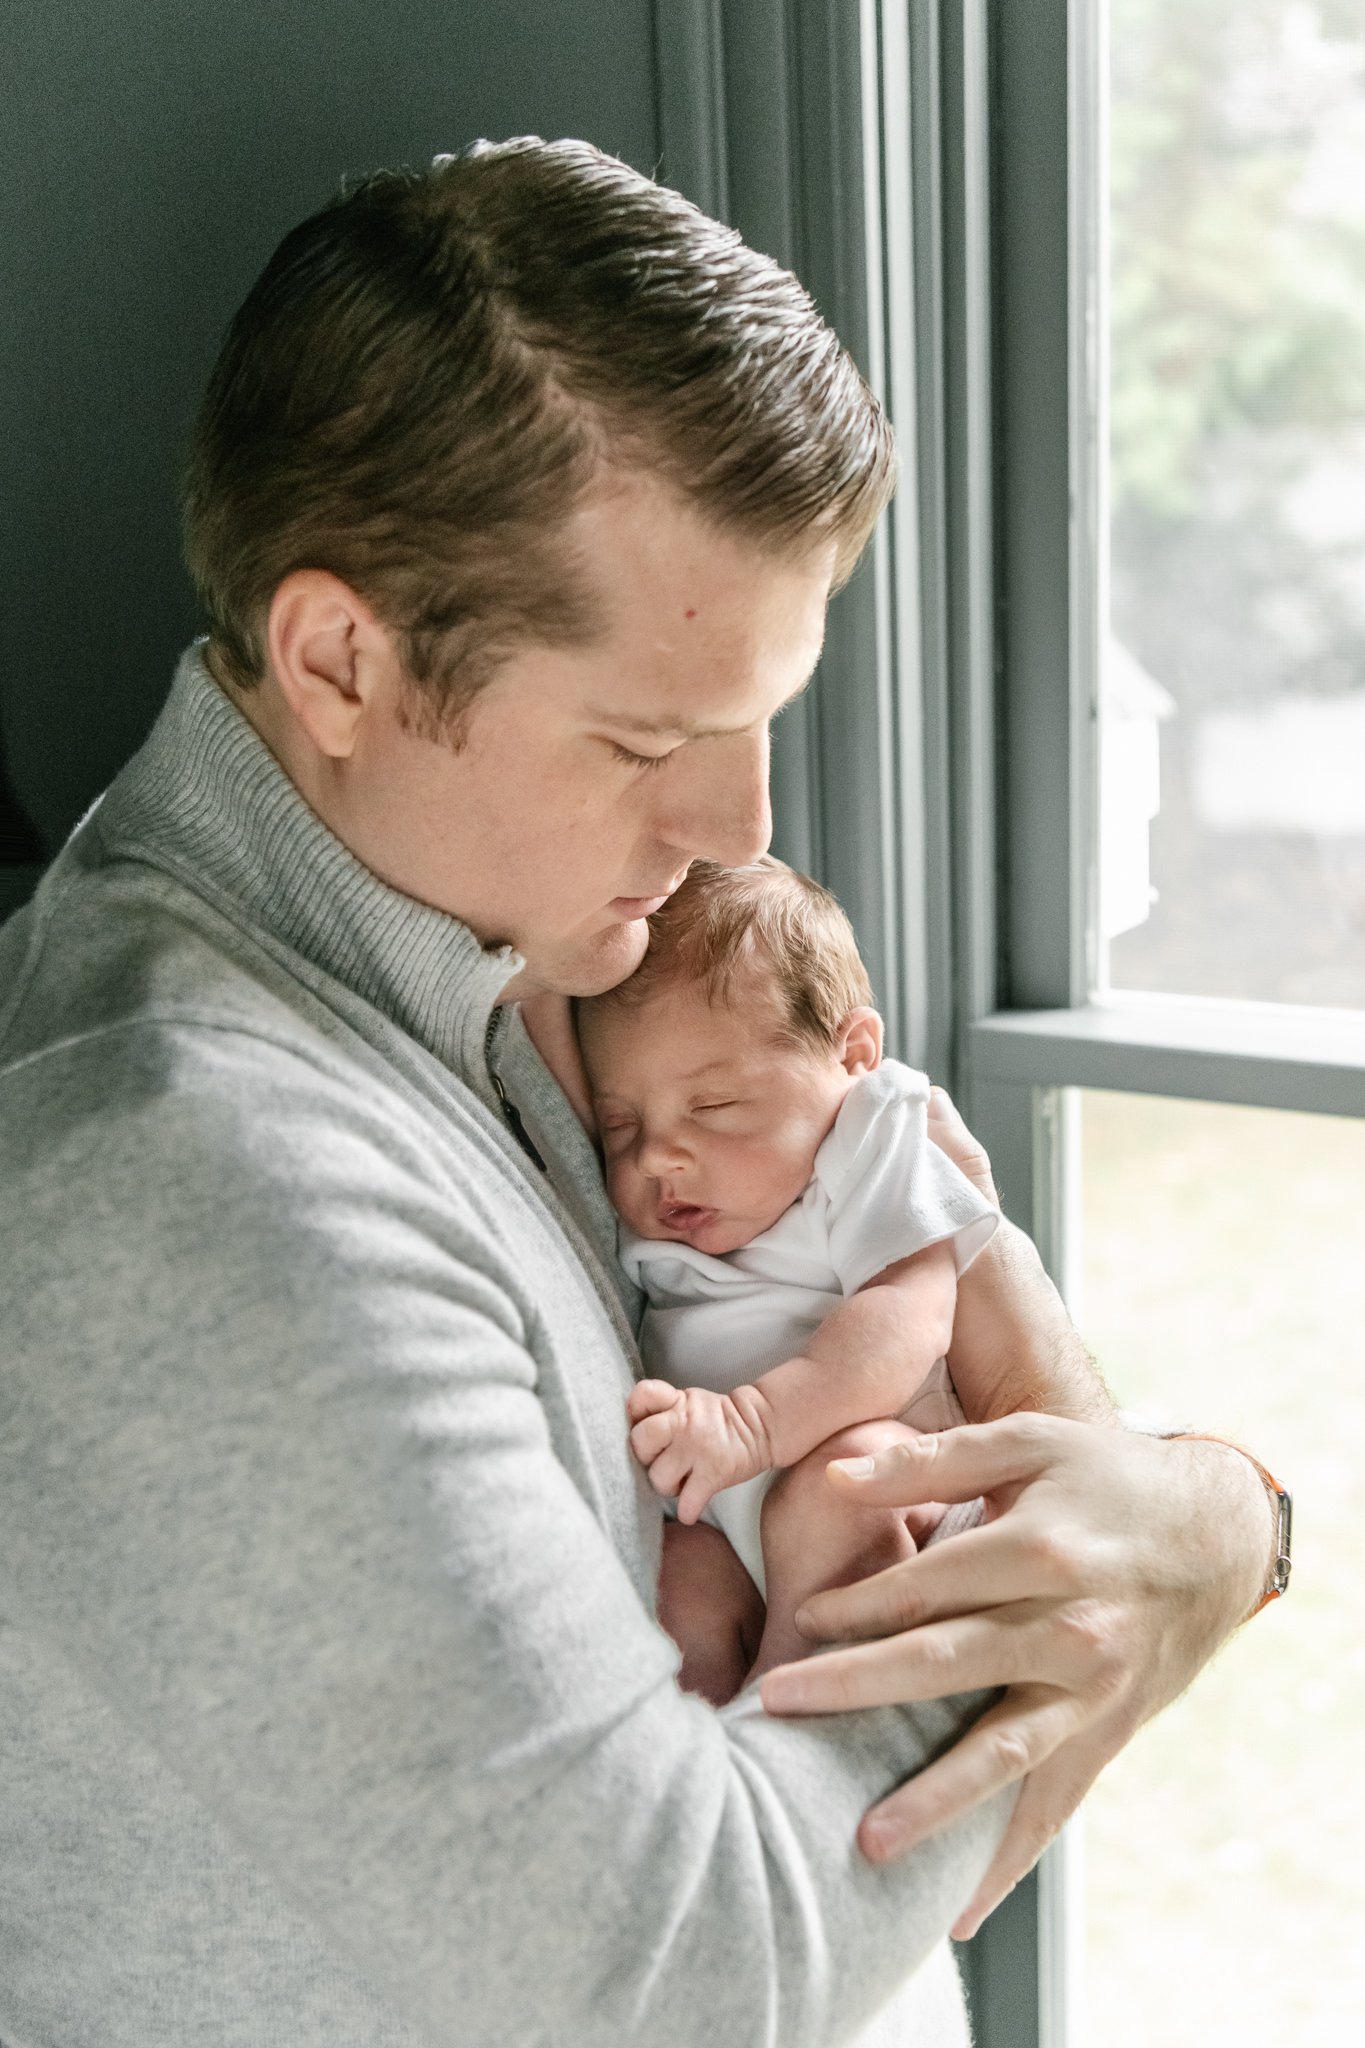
(1238, 234)
(1237, 462)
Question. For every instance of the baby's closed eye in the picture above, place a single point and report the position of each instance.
(615, 1131)
(613, 1116)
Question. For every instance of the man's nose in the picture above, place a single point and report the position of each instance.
(725, 814)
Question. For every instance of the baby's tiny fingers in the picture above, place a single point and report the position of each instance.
(653, 1435)
(693, 1498)
(650, 1397)
(669, 1472)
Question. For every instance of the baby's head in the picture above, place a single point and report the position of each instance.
(719, 1067)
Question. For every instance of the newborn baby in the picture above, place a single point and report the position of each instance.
(797, 1235)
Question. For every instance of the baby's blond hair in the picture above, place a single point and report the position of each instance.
(726, 926)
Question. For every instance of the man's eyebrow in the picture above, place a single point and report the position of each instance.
(678, 728)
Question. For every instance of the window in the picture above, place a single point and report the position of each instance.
(1159, 717)
(1218, 1278)
(1232, 697)
(1080, 757)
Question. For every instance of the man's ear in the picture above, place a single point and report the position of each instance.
(330, 655)
(860, 1042)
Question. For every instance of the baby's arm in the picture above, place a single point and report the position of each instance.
(866, 1360)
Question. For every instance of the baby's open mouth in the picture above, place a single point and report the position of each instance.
(683, 1215)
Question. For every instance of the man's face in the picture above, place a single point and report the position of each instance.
(590, 778)
(710, 1117)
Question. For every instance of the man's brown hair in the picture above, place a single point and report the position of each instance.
(432, 371)
(727, 928)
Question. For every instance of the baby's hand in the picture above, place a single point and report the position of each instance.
(694, 1442)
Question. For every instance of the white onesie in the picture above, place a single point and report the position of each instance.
(881, 1189)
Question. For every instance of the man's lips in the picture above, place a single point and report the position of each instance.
(632, 907)
(645, 906)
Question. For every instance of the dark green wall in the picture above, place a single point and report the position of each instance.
(152, 152)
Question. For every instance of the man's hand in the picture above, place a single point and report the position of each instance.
(1110, 1569)
(951, 1135)
(694, 1443)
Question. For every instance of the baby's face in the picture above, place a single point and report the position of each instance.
(710, 1120)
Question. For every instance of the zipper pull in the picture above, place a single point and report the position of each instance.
(512, 1118)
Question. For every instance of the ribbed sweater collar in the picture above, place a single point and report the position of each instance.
(206, 801)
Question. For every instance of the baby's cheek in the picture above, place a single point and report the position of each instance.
(623, 1191)
(772, 1181)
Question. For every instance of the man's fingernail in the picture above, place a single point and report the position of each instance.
(782, 1692)
(803, 1621)
(856, 1468)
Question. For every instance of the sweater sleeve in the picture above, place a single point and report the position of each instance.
(299, 1504)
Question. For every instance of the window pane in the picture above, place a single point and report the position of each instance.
(1233, 692)
(1222, 1282)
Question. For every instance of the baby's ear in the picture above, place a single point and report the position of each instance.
(860, 1042)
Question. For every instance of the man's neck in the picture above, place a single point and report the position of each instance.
(550, 1027)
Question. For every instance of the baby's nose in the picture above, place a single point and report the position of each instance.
(661, 1154)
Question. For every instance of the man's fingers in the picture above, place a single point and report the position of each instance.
(951, 1135)
(1047, 1799)
(1011, 1739)
(985, 1568)
(953, 1464)
(964, 1654)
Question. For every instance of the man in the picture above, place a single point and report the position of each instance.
(334, 1705)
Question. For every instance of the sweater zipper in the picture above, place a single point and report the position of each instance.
(511, 1114)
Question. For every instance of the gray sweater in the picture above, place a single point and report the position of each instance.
(333, 1710)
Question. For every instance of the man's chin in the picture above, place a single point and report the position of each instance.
(591, 965)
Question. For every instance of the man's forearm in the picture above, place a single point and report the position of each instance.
(1014, 1345)
(1015, 1348)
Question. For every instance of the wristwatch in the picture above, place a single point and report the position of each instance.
(1280, 1498)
